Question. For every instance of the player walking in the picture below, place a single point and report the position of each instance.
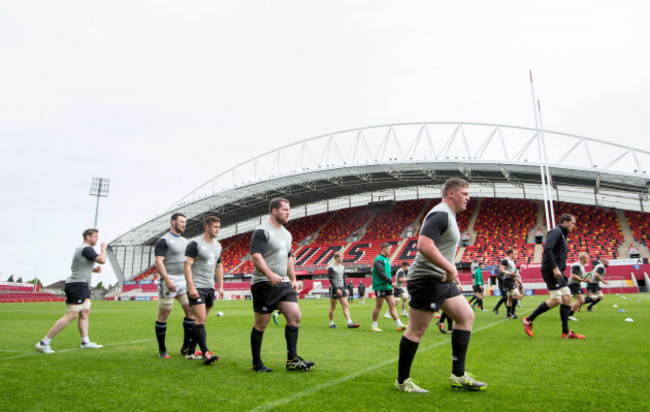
(382, 284)
(202, 265)
(336, 275)
(595, 291)
(274, 285)
(430, 286)
(577, 276)
(170, 260)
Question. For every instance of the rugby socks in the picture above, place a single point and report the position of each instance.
(256, 346)
(374, 325)
(399, 323)
(161, 330)
(459, 344)
(594, 303)
(564, 316)
(85, 341)
(480, 304)
(348, 320)
(499, 303)
(543, 307)
(443, 317)
(291, 335)
(199, 336)
(514, 306)
(407, 350)
(188, 324)
(332, 323)
(588, 299)
(472, 299)
(46, 341)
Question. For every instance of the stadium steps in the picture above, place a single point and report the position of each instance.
(459, 254)
(539, 251)
(470, 227)
(628, 237)
(398, 250)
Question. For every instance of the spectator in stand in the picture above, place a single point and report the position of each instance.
(362, 293)
(77, 291)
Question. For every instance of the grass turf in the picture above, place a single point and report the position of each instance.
(355, 368)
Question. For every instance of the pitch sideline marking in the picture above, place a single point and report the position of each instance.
(25, 354)
(317, 388)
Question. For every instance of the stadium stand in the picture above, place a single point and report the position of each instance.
(640, 226)
(597, 231)
(343, 225)
(502, 224)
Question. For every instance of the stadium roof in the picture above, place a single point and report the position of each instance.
(498, 160)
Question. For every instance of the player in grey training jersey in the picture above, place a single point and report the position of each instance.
(202, 265)
(578, 275)
(595, 292)
(430, 286)
(338, 292)
(274, 285)
(508, 269)
(77, 291)
(170, 258)
(400, 289)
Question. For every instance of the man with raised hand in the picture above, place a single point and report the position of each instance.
(77, 291)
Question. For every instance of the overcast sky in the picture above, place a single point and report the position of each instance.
(159, 96)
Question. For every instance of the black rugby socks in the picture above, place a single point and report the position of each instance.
(543, 307)
(291, 335)
(161, 330)
(459, 344)
(407, 350)
(256, 346)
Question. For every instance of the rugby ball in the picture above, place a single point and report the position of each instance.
(219, 314)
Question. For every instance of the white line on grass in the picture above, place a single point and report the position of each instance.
(14, 351)
(317, 388)
(24, 354)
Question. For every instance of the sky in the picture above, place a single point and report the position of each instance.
(160, 96)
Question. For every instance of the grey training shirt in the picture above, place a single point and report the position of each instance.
(336, 274)
(206, 256)
(274, 244)
(440, 226)
(83, 263)
(172, 247)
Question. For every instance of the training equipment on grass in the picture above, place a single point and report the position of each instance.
(629, 320)
(220, 314)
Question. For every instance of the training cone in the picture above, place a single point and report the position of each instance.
(629, 320)
(621, 310)
(615, 306)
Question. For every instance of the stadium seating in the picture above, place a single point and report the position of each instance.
(25, 297)
(342, 225)
(391, 223)
(597, 231)
(640, 226)
(503, 224)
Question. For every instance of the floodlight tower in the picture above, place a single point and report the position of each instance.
(99, 188)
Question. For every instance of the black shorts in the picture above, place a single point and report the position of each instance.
(553, 283)
(361, 294)
(398, 291)
(478, 288)
(76, 292)
(267, 296)
(429, 293)
(593, 287)
(575, 289)
(384, 293)
(509, 284)
(333, 294)
(206, 297)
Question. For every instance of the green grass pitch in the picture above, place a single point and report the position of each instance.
(355, 368)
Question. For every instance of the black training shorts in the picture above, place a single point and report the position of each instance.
(553, 283)
(384, 293)
(76, 292)
(206, 297)
(575, 289)
(267, 296)
(333, 290)
(430, 293)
